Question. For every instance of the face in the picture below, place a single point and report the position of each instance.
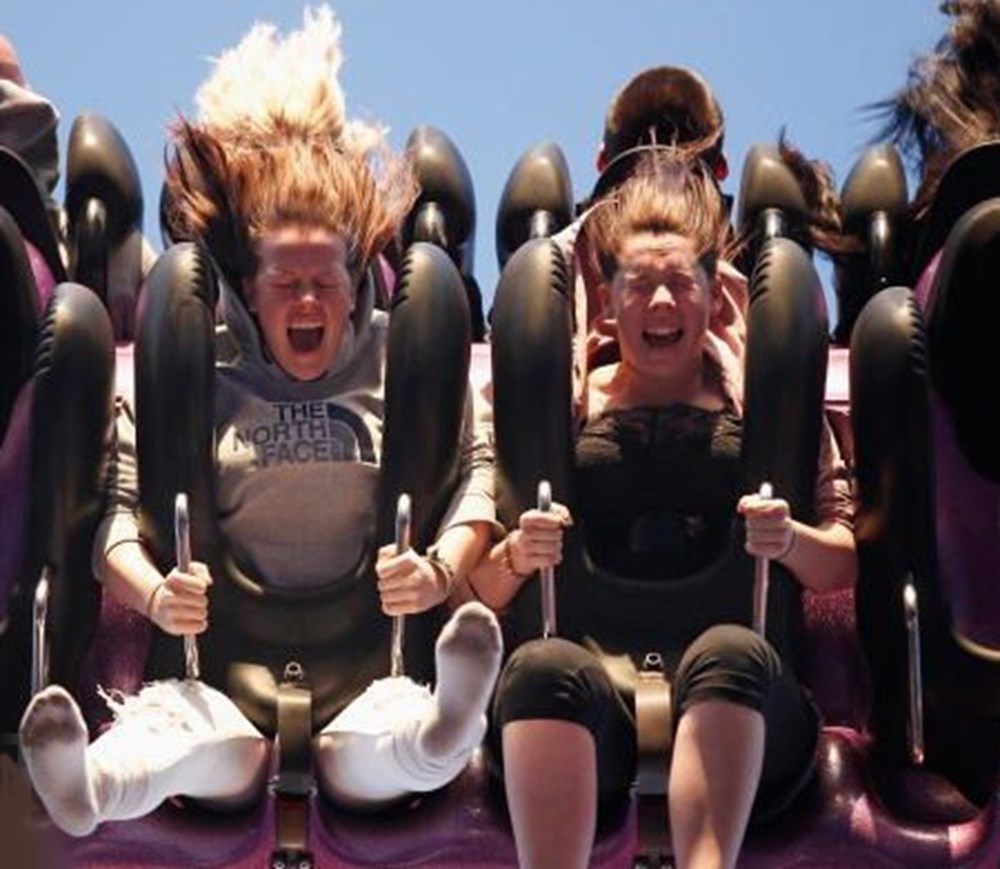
(302, 296)
(663, 300)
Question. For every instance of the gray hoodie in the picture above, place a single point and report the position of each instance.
(297, 462)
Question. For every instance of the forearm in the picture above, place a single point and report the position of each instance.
(462, 547)
(824, 558)
(130, 576)
(494, 580)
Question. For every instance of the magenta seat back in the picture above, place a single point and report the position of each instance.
(15, 471)
(957, 293)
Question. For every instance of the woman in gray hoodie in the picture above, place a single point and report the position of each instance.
(293, 206)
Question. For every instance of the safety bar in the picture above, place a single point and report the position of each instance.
(182, 543)
(911, 611)
(880, 245)
(404, 521)
(39, 633)
(547, 577)
(761, 579)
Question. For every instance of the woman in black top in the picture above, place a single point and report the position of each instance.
(657, 481)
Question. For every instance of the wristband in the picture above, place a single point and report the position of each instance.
(507, 562)
(152, 597)
(791, 545)
(442, 568)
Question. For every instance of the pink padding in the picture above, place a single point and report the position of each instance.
(44, 282)
(388, 277)
(480, 366)
(838, 378)
(125, 372)
(15, 501)
(922, 291)
(832, 663)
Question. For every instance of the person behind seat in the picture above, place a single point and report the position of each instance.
(28, 124)
(657, 471)
(294, 208)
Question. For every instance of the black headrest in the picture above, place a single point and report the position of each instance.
(23, 199)
(872, 204)
(174, 373)
(537, 200)
(99, 165)
(445, 212)
(72, 413)
(531, 345)
(877, 182)
(767, 182)
(785, 373)
(974, 175)
(961, 327)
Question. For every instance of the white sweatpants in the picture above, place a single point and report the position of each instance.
(181, 738)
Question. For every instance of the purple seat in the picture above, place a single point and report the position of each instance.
(928, 474)
(841, 821)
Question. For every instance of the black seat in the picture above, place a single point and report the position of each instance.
(928, 481)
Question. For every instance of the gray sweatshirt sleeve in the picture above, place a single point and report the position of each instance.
(474, 499)
(120, 523)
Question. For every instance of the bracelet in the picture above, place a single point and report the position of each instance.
(152, 597)
(443, 568)
(791, 545)
(507, 562)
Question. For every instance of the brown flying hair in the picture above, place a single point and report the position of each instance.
(272, 146)
(815, 177)
(670, 192)
(227, 194)
(951, 100)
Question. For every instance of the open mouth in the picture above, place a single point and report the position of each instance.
(658, 338)
(305, 337)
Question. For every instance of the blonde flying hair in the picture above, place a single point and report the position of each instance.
(272, 147)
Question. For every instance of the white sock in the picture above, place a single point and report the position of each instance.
(467, 653)
(54, 740)
(397, 738)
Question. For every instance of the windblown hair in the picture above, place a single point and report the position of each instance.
(824, 225)
(670, 192)
(951, 100)
(272, 147)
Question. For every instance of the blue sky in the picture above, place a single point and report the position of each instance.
(497, 77)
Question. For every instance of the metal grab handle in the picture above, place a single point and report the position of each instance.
(761, 578)
(182, 544)
(404, 521)
(911, 611)
(39, 632)
(547, 577)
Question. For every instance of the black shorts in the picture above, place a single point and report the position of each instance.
(557, 679)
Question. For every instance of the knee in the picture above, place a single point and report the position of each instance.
(247, 756)
(550, 679)
(729, 663)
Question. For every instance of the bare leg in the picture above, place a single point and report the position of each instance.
(550, 772)
(717, 760)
